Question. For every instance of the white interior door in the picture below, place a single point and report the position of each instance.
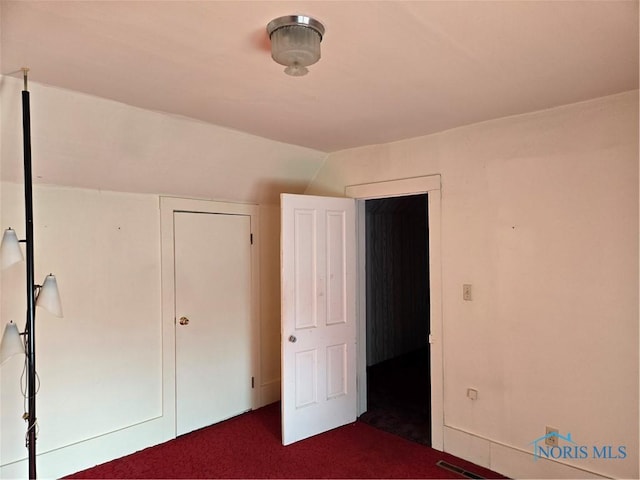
(213, 318)
(318, 315)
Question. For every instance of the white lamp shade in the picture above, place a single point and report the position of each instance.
(49, 297)
(11, 342)
(10, 251)
(295, 42)
(295, 46)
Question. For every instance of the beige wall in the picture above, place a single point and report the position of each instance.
(270, 301)
(540, 215)
(101, 366)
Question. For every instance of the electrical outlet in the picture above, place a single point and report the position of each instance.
(551, 440)
(466, 292)
(472, 393)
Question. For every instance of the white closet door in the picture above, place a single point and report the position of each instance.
(213, 318)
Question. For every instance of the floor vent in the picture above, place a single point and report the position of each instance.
(458, 470)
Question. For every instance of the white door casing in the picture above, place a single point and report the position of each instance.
(430, 185)
(318, 315)
(170, 207)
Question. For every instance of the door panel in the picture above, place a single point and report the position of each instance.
(318, 315)
(213, 291)
(336, 265)
(306, 268)
(336, 370)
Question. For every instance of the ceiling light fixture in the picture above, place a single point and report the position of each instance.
(295, 42)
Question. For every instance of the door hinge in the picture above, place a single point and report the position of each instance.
(431, 339)
(251, 238)
(253, 382)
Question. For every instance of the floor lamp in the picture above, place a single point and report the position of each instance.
(45, 295)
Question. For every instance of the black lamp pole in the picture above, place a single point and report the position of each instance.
(30, 330)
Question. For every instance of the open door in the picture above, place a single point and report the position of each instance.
(318, 261)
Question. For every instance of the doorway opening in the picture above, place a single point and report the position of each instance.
(398, 316)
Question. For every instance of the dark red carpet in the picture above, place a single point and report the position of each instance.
(249, 446)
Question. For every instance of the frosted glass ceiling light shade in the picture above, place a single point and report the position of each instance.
(49, 297)
(11, 342)
(295, 42)
(10, 251)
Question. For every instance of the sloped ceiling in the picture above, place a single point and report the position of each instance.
(88, 142)
(389, 70)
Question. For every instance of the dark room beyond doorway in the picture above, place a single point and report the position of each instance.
(397, 292)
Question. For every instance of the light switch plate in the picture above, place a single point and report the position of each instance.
(466, 292)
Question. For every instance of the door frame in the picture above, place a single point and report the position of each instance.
(431, 185)
(169, 205)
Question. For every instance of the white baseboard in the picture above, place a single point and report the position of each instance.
(506, 460)
(94, 451)
(469, 447)
(270, 392)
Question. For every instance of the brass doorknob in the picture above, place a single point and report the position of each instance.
(183, 321)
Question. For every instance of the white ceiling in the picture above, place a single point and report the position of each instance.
(389, 70)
